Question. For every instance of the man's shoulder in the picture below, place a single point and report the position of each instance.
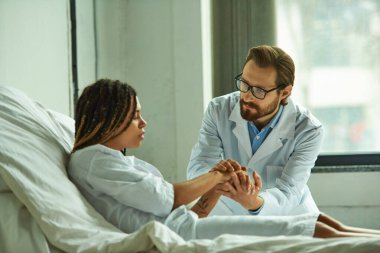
(304, 115)
(226, 101)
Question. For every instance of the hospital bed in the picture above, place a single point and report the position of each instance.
(42, 211)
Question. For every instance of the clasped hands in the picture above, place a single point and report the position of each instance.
(238, 185)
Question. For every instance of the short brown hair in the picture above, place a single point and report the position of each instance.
(266, 56)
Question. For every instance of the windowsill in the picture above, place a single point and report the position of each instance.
(346, 168)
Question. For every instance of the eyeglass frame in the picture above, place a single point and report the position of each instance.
(250, 87)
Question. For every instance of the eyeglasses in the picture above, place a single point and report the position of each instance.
(257, 92)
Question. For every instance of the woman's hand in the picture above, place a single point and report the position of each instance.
(227, 168)
(187, 191)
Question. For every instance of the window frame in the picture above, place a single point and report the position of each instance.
(347, 163)
(348, 159)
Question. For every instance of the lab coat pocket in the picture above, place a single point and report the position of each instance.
(273, 172)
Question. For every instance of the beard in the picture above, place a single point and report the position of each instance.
(252, 112)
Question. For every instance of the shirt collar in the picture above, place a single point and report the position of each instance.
(271, 124)
(276, 118)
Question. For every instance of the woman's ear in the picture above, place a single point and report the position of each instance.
(285, 93)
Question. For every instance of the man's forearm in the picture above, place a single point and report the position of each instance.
(255, 204)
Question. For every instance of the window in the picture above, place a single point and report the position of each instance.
(335, 45)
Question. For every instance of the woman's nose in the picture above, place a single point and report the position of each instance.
(142, 123)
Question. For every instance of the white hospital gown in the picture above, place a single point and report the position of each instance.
(129, 193)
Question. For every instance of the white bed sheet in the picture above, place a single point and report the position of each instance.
(42, 211)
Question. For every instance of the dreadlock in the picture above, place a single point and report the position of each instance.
(101, 110)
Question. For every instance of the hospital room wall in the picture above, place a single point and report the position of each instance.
(35, 50)
(351, 197)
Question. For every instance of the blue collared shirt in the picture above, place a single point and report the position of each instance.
(257, 138)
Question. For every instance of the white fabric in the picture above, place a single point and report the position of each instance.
(129, 194)
(127, 191)
(117, 181)
(214, 226)
(41, 210)
(284, 160)
(18, 231)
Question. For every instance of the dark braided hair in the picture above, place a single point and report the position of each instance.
(101, 110)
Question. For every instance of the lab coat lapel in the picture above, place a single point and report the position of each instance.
(241, 131)
(283, 131)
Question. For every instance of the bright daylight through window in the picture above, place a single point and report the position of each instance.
(336, 48)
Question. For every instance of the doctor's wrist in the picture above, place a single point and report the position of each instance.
(256, 204)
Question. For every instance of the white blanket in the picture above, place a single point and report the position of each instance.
(42, 211)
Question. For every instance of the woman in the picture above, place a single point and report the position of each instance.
(129, 192)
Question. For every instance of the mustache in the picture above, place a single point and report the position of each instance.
(248, 104)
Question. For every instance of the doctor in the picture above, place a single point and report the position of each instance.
(263, 129)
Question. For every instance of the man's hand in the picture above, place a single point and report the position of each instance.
(241, 189)
(227, 168)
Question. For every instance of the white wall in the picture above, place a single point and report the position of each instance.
(86, 43)
(35, 50)
(353, 198)
(156, 47)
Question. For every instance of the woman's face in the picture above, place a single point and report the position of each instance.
(133, 136)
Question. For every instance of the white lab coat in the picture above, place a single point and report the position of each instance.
(284, 160)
